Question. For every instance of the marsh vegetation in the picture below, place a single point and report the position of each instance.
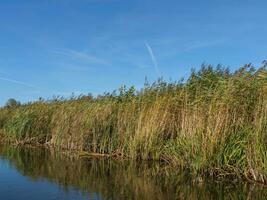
(213, 123)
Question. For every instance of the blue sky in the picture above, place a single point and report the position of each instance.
(56, 47)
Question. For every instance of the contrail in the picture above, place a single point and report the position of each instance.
(18, 82)
(153, 58)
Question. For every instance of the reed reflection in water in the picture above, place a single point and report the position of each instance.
(84, 178)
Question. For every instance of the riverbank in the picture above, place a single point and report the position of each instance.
(213, 123)
(107, 178)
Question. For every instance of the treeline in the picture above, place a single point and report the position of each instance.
(215, 122)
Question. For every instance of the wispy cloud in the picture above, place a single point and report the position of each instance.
(79, 56)
(153, 58)
(200, 45)
(18, 82)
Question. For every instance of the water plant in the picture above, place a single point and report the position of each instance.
(215, 122)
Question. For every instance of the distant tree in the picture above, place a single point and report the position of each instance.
(12, 103)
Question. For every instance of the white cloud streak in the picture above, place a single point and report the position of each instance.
(18, 82)
(153, 58)
(206, 44)
(80, 56)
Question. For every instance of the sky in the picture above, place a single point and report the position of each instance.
(60, 47)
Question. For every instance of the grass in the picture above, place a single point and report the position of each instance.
(215, 122)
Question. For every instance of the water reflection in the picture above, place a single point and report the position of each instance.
(109, 179)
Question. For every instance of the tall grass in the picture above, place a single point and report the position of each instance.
(215, 122)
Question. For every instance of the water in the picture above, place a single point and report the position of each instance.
(37, 173)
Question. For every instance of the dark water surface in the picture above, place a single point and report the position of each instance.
(37, 173)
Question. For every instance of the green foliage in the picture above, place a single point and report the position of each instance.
(29, 123)
(232, 152)
(214, 121)
(12, 103)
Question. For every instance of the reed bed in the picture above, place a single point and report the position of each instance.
(215, 122)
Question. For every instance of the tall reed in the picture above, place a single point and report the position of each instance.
(215, 122)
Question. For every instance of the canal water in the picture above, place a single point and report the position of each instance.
(42, 174)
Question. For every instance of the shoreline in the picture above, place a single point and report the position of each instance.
(219, 175)
(214, 123)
